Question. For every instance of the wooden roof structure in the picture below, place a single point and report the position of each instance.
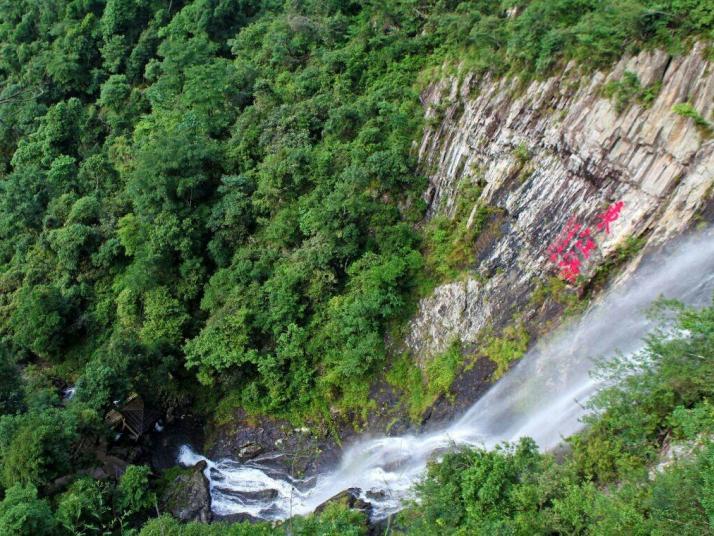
(133, 417)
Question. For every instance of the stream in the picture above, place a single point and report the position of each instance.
(542, 397)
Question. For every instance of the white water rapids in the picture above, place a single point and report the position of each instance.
(542, 397)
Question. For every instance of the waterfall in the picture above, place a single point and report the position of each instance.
(542, 397)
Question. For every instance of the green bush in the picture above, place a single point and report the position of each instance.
(22, 513)
(167, 525)
(628, 89)
(84, 508)
(507, 347)
(40, 322)
(36, 447)
(10, 383)
(685, 109)
(133, 492)
(421, 387)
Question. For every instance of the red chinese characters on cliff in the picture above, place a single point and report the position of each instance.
(609, 216)
(575, 243)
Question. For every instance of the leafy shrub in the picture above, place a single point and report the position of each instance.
(10, 383)
(685, 109)
(449, 241)
(22, 513)
(628, 89)
(421, 388)
(335, 519)
(36, 447)
(507, 347)
(84, 508)
(41, 320)
(165, 525)
(133, 492)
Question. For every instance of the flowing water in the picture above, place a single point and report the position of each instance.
(542, 397)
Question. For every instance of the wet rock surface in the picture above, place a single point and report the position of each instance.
(188, 497)
(248, 451)
(251, 496)
(236, 518)
(165, 445)
(272, 443)
(350, 498)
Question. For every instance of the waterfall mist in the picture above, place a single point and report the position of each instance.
(542, 397)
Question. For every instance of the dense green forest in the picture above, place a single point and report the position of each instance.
(216, 203)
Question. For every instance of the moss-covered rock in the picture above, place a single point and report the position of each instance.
(187, 496)
(350, 498)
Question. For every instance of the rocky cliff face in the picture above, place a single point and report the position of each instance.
(559, 150)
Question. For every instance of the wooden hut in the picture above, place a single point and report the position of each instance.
(133, 417)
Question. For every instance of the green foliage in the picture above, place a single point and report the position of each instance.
(335, 519)
(101, 383)
(84, 508)
(486, 492)
(688, 423)
(685, 109)
(10, 383)
(449, 242)
(351, 338)
(421, 387)
(22, 513)
(165, 525)
(36, 447)
(624, 251)
(546, 33)
(40, 321)
(628, 89)
(133, 492)
(506, 348)
(164, 319)
(557, 290)
(522, 154)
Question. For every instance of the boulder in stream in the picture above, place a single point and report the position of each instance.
(349, 498)
(249, 450)
(253, 496)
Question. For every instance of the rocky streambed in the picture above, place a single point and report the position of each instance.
(289, 453)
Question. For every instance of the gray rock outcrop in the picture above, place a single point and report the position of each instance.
(188, 497)
(555, 150)
(350, 498)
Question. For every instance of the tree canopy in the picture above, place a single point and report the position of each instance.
(220, 199)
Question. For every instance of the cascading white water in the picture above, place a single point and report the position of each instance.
(542, 397)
